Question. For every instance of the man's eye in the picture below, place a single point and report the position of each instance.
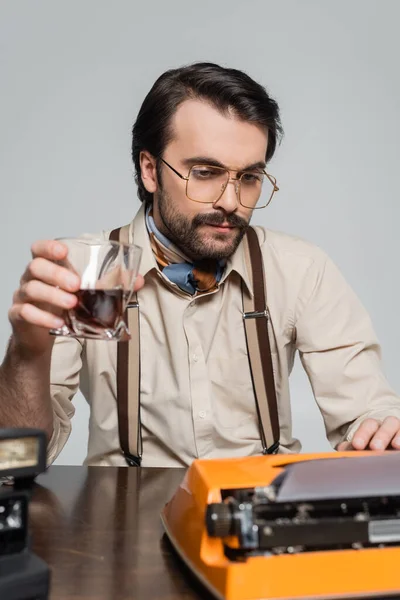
(205, 173)
(251, 177)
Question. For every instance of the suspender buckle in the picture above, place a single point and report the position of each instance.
(132, 461)
(272, 449)
(132, 305)
(256, 314)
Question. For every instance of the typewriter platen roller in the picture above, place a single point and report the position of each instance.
(304, 526)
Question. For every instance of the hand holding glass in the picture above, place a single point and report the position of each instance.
(108, 272)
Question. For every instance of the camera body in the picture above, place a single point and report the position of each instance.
(23, 575)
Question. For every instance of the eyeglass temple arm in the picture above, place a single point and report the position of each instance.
(272, 180)
(174, 170)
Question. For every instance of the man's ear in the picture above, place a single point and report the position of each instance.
(148, 171)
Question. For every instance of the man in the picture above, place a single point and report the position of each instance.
(201, 144)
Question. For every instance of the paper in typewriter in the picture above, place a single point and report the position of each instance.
(330, 479)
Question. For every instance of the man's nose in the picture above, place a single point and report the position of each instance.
(229, 200)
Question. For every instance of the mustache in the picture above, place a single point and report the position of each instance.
(217, 218)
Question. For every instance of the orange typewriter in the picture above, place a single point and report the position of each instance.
(297, 526)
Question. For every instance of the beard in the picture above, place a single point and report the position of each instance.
(188, 235)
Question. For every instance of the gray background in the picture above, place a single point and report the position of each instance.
(73, 75)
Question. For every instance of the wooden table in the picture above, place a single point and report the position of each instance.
(99, 530)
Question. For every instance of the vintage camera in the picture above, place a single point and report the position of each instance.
(23, 575)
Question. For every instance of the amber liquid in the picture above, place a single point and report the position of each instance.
(97, 309)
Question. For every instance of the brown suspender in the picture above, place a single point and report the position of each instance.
(128, 377)
(255, 316)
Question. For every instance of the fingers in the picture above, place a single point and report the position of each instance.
(385, 434)
(33, 315)
(46, 288)
(52, 274)
(50, 249)
(344, 447)
(139, 283)
(374, 435)
(396, 438)
(364, 433)
(37, 292)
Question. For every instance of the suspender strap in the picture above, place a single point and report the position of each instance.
(256, 316)
(128, 377)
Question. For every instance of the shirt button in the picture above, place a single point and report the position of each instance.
(195, 358)
(202, 414)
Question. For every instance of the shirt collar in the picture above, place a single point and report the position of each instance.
(237, 263)
(138, 235)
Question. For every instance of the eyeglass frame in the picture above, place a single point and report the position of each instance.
(237, 180)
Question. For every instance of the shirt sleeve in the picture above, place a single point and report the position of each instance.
(340, 353)
(66, 363)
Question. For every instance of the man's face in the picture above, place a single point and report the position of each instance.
(201, 133)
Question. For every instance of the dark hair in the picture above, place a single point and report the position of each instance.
(226, 89)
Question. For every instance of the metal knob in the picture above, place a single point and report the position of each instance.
(219, 520)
